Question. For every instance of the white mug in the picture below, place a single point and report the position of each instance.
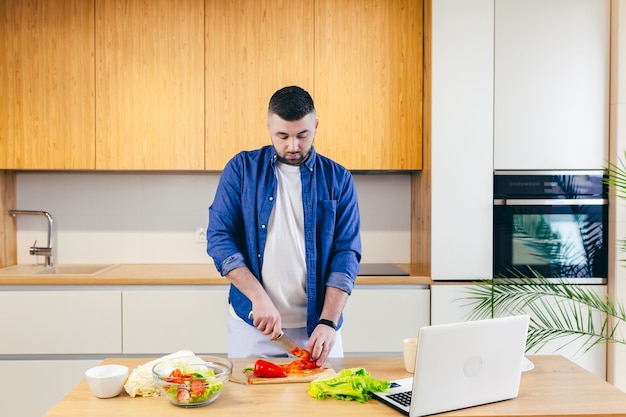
(409, 351)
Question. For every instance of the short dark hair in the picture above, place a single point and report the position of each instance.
(291, 103)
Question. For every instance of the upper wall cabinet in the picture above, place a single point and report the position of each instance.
(551, 84)
(150, 83)
(368, 83)
(47, 84)
(360, 60)
(253, 48)
(184, 84)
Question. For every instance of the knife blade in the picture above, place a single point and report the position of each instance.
(283, 341)
(286, 343)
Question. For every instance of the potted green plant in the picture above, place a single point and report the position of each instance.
(559, 311)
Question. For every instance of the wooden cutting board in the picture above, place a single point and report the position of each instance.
(309, 376)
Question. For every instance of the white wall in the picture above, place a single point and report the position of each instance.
(151, 218)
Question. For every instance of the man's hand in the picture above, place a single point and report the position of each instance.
(324, 337)
(266, 318)
(321, 343)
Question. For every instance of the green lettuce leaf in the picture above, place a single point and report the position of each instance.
(354, 384)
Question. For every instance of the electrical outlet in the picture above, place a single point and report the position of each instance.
(200, 235)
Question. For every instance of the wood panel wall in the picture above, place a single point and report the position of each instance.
(421, 181)
(8, 237)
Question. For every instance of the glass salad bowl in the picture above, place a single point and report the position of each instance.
(192, 381)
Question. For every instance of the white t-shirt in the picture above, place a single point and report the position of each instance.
(284, 265)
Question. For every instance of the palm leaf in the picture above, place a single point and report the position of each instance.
(542, 242)
(558, 309)
(616, 177)
(616, 180)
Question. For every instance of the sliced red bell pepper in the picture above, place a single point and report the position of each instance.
(300, 365)
(266, 369)
(176, 377)
(301, 353)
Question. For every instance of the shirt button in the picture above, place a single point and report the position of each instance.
(271, 198)
(262, 226)
(258, 255)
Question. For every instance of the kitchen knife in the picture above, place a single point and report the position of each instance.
(286, 343)
(283, 341)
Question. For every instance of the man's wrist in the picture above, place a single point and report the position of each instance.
(329, 323)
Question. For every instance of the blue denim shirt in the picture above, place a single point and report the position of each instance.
(240, 212)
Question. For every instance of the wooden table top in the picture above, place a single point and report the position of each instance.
(555, 387)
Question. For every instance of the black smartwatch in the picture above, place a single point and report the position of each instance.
(327, 323)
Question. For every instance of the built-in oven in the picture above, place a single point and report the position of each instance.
(553, 223)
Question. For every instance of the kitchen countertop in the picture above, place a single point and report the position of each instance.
(555, 387)
(169, 274)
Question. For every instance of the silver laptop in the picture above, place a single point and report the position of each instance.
(462, 365)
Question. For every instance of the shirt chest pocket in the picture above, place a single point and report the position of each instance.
(326, 218)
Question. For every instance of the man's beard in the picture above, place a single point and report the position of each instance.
(295, 162)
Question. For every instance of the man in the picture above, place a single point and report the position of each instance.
(284, 228)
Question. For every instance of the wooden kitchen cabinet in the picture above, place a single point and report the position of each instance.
(47, 84)
(184, 85)
(360, 60)
(150, 83)
(163, 321)
(60, 322)
(253, 48)
(368, 83)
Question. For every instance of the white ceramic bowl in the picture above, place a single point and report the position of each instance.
(106, 381)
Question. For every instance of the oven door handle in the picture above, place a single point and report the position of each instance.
(552, 202)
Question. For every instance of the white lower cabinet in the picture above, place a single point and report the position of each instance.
(157, 322)
(450, 303)
(164, 321)
(39, 326)
(50, 337)
(31, 387)
(60, 322)
(378, 317)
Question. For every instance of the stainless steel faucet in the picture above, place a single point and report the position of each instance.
(39, 250)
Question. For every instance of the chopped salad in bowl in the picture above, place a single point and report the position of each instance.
(192, 381)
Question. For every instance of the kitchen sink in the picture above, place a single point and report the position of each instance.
(85, 270)
(77, 269)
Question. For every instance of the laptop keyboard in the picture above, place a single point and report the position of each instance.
(403, 398)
